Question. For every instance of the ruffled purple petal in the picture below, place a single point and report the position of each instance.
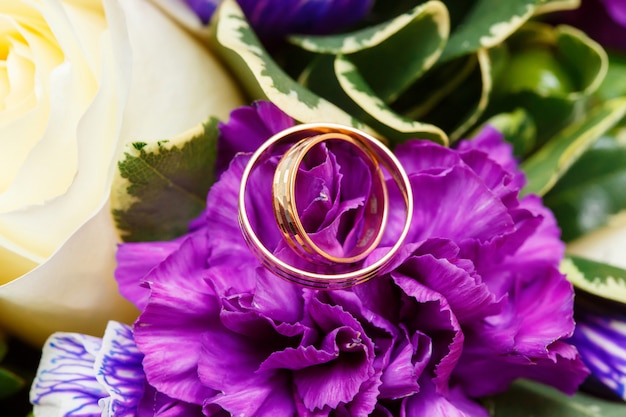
(559, 367)
(273, 398)
(477, 214)
(427, 311)
(178, 295)
(408, 361)
(491, 142)
(247, 128)
(134, 261)
(429, 402)
(339, 380)
(463, 289)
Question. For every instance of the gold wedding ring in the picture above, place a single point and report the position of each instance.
(302, 139)
(286, 211)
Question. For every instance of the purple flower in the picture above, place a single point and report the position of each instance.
(601, 337)
(273, 19)
(473, 301)
(602, 20)
(84, 376)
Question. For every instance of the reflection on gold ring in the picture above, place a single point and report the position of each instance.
(299, 134)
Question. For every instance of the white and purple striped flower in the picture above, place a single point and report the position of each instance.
(601, 340)
(85, 376)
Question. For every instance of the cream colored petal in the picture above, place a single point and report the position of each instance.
(176, 82)
(73, 291)
(166, 94)
(51, 165)
(42, 228)
(184, 16)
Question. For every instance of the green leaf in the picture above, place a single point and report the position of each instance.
(614, 84)
(380, 52)
(161, 186)
(574, 46)
(541, 73)
(546, 166)
(517, 127)
(451, 96)
(235, 41)
(591, 191)
(487, 24)
(602, 280)
(395, 127)
(530, 399)
(10, 383)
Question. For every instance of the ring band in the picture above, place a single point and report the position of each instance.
(286, 212)
(314, 279)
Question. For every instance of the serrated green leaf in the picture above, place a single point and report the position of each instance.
(546, 166)
(530, 399)
(602, 280)
(163, 185)
(380, 52)
(10, 383)
(591, 191)
(235, 41)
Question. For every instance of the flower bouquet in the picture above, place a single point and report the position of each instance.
(298, 208)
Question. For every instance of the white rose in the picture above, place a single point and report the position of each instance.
(78, 80)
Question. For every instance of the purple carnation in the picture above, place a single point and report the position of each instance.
(274, 19)
(473, 301)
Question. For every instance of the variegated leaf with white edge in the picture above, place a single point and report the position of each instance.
(602, 280)
(161, 186)
(487, 24)
(383, 53)
(384, 119)
(235, 41)
(544, 168)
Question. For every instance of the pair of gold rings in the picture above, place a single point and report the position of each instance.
(295, 144)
